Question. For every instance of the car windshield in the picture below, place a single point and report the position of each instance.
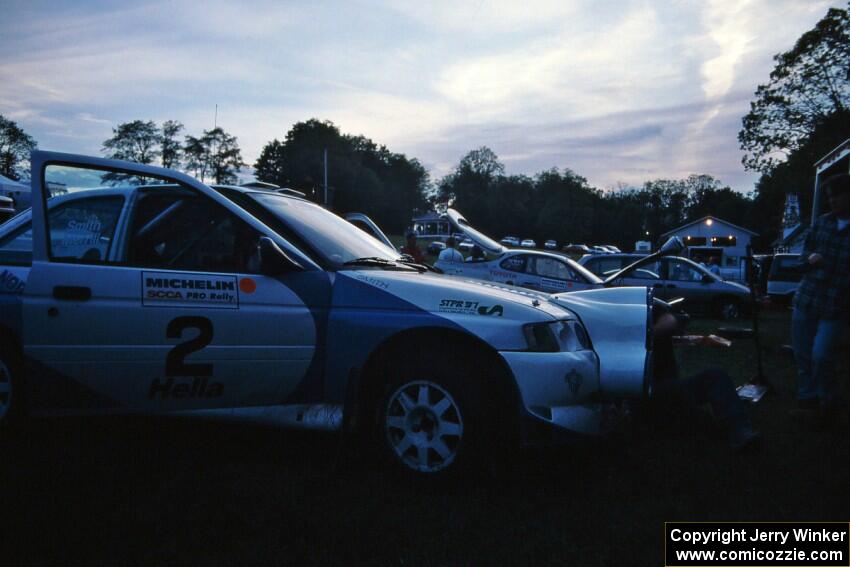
(333, 237)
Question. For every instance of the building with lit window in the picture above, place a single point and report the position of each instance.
(431, 225)
(711, 237)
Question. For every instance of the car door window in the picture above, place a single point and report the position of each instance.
(605, 266)
(514, 263)
(553, 268)
(679, 271)
(83, 230)
(179, 231)
(651, 271)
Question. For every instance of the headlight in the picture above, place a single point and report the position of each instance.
(557, 336)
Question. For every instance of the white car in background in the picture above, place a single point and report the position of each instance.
(786, 272)
(528, 243)
(510, 241)
(550, 245)
(542, 271)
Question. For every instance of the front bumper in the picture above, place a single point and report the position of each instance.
(559, 389)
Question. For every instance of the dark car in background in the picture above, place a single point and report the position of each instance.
(672, 277)
(575, 249)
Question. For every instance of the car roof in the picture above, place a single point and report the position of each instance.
(124, 190)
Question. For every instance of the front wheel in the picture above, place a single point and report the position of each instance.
(423, 424)
(728, 308)
(9, 396)
(436, 419)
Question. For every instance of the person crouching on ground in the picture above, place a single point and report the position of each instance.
(822, 305)
(412, 249)
(450, 254)
(675, 398)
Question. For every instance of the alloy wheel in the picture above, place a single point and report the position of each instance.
(424, 426)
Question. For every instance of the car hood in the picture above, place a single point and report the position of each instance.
(439, 293)
(618, 322)
(482, 240)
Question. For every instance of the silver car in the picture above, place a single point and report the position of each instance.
(672, 277)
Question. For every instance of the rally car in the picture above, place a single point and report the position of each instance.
(532, 269)
(143, 290)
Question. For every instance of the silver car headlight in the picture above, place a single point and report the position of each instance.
(556, 336)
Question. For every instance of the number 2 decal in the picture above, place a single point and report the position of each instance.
(174, 362)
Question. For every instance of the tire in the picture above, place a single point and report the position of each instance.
(10, 391)
(728, 308)
(437, 419)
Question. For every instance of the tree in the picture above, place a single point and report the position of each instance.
(482, 161)
(467, 188)
(134, 141)
(794, 175)
(269, 167)
(363, 176)
(225, 155)
(170, 148)
(196, 156)
(809, 84)
(15, 148)
(216, 154)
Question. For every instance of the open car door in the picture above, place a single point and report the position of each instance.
(145, 294)
(367, 225)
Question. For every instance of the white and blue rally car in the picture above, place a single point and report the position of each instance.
(532, 269)
(140, 289)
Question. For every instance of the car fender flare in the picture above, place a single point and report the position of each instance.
(362, 381)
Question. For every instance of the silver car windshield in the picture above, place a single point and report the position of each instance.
(333, 237)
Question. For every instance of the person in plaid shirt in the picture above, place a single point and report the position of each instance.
(822, 305)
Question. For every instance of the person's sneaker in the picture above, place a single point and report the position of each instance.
(745, 439)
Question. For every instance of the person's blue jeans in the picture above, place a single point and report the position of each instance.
(681, 397)
(815, 341)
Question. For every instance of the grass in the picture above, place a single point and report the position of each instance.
(144, 490)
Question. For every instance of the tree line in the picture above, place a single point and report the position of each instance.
(561, 205)
(802, 112)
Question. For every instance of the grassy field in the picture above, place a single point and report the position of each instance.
(171, 491)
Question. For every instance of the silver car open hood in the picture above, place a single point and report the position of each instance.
(618, 320)
(482, 240)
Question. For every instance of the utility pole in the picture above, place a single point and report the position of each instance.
(326, 176)
(215, 125)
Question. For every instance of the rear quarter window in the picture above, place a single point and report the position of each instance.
(513, 264)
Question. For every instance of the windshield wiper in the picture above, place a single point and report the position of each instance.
(376, 261)
(422, 267)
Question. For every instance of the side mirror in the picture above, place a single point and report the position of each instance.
(273, 260)
(672, 247)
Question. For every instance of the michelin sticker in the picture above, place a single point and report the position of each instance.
(169, 289)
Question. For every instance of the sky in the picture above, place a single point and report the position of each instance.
(620, 92)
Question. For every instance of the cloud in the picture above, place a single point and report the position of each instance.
(619, 91)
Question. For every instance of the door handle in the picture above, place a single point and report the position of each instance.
(72, 292)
